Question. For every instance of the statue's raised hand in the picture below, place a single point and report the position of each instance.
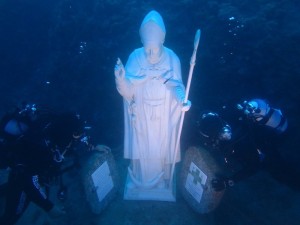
(119, 69)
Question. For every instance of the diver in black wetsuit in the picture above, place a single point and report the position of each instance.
(247, 143)
(33, 147)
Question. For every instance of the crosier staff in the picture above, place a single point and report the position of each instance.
(192, 65)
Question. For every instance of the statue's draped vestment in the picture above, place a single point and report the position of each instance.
(151, 113)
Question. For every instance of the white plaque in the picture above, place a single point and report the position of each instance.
(102, 181)
(195, 181)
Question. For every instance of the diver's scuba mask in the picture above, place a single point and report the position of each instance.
(249, 108)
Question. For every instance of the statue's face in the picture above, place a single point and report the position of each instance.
(153, 52)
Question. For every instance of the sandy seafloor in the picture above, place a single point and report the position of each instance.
(258, 200)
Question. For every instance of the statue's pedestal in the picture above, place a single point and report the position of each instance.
(156, 193)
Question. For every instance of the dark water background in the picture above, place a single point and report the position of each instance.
(61, 53)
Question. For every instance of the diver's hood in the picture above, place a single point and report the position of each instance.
(210, 125)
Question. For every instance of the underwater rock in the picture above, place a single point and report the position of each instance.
(100, 180)
(198, 170)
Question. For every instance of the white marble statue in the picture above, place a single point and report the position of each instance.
(153, 93)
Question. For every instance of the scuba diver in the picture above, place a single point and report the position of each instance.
(260, 112)
(33, 146)
(248, 143)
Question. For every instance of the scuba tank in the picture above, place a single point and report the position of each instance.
(15, 124)
(260, 112)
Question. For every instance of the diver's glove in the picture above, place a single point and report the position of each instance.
(219, 184)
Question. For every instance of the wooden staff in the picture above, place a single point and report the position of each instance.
(192, 65)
